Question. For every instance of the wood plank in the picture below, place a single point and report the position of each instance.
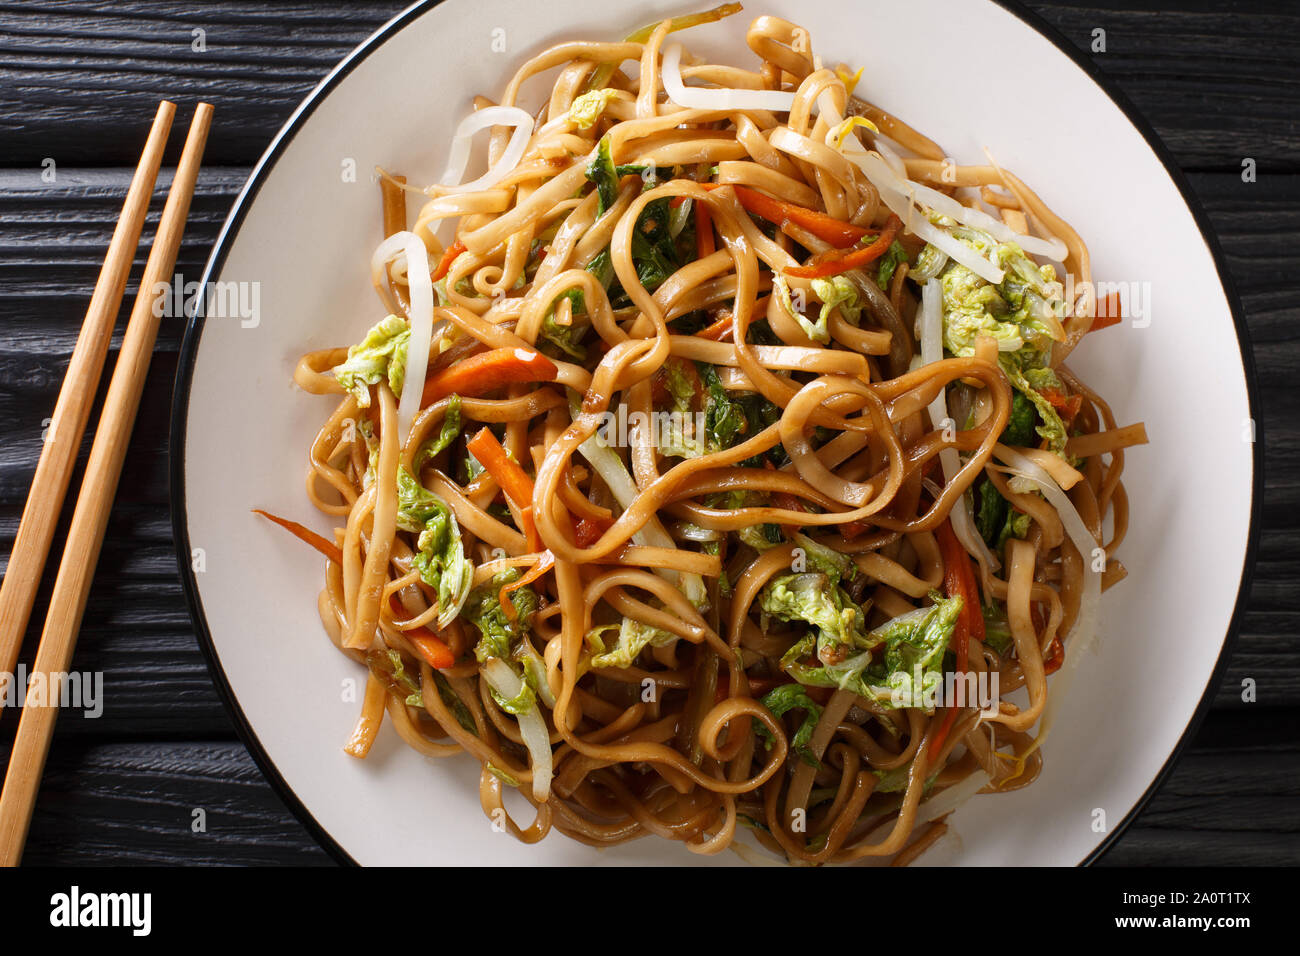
(119, 804)
(1232, 800)
(1217, 81)
(260, 60)
(52, 241)
(1218, 85)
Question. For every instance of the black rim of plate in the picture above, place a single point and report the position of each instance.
(230, 230)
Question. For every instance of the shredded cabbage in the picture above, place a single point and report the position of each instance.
(509, 687)
(440, 553)
(816, 331)
(837, 292)
(586, 109)
(633, 637)
(380, 354)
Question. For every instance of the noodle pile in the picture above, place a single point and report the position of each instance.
(686, 629)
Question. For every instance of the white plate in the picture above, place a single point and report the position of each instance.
(304, 234)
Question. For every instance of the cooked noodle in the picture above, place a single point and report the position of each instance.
(676, 522)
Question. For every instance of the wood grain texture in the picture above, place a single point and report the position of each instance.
(127, 803)
(1218, 85)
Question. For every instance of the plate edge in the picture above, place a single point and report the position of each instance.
(194, 329)
(180, 411)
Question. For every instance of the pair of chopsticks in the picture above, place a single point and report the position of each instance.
(99, 483)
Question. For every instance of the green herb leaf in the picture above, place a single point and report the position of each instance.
(446, 435)
(894, 256)
(601, 171)
(787, 697)
(997, 631)
(567, 338)
(451, 700)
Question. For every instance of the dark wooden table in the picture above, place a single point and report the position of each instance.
(79, 81)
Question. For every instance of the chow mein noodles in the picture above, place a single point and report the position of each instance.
(716, 464)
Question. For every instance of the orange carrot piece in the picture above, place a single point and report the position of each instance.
(719, 330)
(489, 370)
(835, 231)
(512, 478)
(836, 261)
(324, 546)
(448, 257)
(544, 563)
(958, 579)
(589, 529)
(507, 472)
(436, 652)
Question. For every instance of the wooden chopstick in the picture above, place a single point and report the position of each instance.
(59, 453)
(95, 500)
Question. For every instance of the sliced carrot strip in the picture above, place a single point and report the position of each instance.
(836, 261)
(838, 233)
(448, 257)
(486, 371)
(324, 546)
